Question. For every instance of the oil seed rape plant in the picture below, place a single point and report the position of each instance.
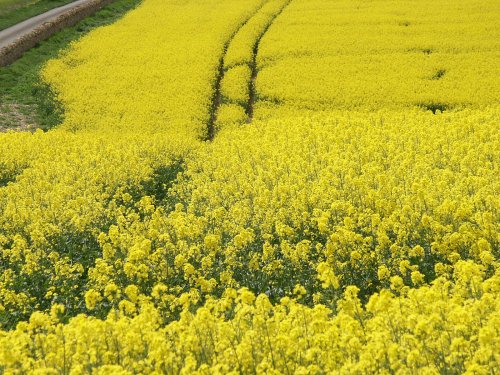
(451, 326)
(60, 190)
(331, 226)
(277, 230)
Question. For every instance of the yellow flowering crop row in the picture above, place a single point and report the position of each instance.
(235, 96)
(234, 85)
(342, 230)
(230, 114)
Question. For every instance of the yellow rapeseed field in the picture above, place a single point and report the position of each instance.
(261, 187)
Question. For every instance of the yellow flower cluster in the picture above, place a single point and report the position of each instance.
(330, 202)
(61, 189)
(342, 230)
(449, 327)
(234, 85)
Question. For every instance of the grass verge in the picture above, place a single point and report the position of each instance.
(25, 102)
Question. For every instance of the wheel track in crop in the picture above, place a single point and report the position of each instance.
(216, 92)
(216, 100)
(253, 66)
